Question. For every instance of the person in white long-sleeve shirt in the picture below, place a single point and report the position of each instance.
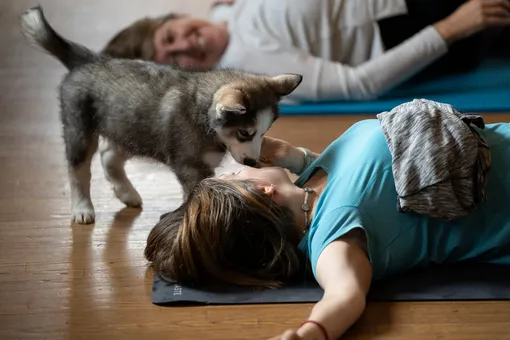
(345, 49)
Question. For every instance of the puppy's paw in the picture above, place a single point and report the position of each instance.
(128, 195)
(83, 213)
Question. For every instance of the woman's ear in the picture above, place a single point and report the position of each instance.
(268, 189)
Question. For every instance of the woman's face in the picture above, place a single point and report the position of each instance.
(267, 179)
(190, 43)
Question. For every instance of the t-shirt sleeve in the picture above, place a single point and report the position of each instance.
(329, 228)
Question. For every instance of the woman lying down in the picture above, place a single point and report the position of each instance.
(422, 184)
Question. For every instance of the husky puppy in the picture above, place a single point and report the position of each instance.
(186, 120)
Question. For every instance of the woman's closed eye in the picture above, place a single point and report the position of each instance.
(232, 173)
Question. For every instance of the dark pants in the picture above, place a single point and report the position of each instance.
(463, 55)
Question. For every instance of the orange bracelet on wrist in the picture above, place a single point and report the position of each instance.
(321, 327)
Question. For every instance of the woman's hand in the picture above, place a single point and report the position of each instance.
(277, 152)
(472, 17)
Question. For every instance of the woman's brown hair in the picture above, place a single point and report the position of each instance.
(227, 232)
(136, 40)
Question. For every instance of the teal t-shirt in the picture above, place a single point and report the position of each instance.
(360, 193)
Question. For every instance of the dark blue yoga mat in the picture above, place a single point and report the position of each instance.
(445, 283)
(486, 89)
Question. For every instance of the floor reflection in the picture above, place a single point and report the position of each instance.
(109, 264)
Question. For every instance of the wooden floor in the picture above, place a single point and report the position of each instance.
(59, 281)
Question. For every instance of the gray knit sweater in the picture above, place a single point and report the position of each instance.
(439, 160)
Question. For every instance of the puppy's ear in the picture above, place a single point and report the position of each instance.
(228, 100)
(221, 109)
(285, 84)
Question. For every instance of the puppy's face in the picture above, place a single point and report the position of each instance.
(244, 111)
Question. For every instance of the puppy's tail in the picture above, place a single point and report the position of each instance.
(39, 33)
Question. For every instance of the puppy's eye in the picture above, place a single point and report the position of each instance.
(243, 133)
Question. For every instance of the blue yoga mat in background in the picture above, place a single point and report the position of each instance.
(486, 89)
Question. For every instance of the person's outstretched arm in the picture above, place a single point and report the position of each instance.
(327, 80)
(344, 272)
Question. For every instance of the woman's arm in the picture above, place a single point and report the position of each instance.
(327, 80)
(344, 272)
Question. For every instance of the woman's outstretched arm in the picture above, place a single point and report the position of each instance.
(344, 272)
(327, 80)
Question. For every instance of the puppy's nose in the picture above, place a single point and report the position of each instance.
(249, 162)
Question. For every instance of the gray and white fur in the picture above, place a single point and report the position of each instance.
(131, 108)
